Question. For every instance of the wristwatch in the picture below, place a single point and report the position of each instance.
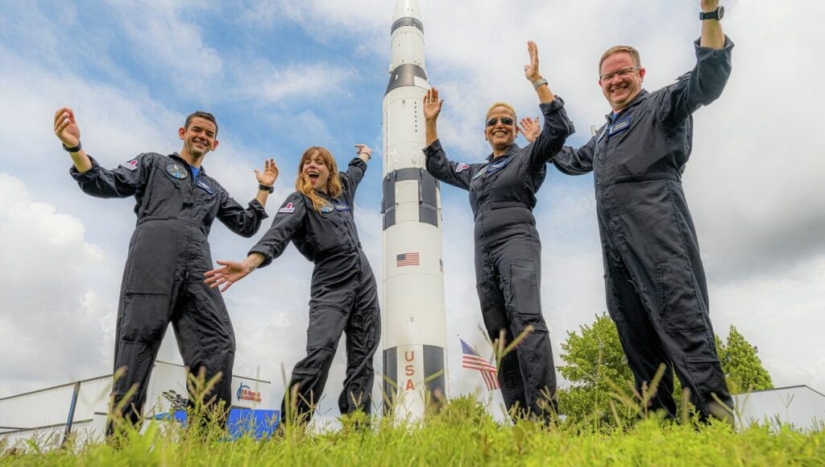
(716, 14)
(268, 188)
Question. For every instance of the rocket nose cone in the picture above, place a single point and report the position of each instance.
(406, 8)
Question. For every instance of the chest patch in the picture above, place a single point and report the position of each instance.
(326, 209)
(288, 209)
(621, 125)
(177, 171)
(204, 186)
(341, 207)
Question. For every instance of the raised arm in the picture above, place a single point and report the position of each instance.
(531, 72)
(67, 131)
(705, 83)
(432, 109)
(266, 180)
(557, 127)
(712, 35)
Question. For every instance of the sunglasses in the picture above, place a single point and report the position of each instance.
(504, 121)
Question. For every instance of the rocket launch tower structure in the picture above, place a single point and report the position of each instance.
(414, 321)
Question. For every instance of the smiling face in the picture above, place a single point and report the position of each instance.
(199, 137)
(620, 78)
(501, 129)
(314, 167)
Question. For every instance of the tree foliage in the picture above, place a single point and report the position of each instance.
(602, 388)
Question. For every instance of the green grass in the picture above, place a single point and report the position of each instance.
(462, 434)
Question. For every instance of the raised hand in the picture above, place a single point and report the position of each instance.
(65, 127)
(531, 71)
(530, 128)
(432, 105)
(269, 175)
(363, 151)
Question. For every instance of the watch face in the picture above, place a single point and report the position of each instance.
(720, 12)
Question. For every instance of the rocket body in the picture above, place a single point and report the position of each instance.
(414, 322)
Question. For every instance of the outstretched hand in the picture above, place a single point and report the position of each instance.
(531, 70)
(269, 175)
(65, 127)
(432, 105)
(231, 272)
(530, 128)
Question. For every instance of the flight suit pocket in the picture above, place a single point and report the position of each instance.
(152, 257)
(678, 302)
(524, 289)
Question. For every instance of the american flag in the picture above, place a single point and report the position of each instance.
(406, 259)
(472, 360)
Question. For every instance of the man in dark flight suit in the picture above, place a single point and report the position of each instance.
(176, 203)
(655, 283)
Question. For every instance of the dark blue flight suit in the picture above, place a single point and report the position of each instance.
(163, 278)
(655, 283)
(344, 296)
(508, 255)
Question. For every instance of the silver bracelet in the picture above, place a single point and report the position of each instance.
(538, 83)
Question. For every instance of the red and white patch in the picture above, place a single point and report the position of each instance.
(288, 209)
(461, 167)
(131, 165)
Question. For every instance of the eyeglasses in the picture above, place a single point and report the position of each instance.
(621, 73)
(504, 121)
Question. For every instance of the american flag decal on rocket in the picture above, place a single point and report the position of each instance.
(406, 259)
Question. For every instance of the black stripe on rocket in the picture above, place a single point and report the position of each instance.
(407, 21)
(427, 195)
(434, 375)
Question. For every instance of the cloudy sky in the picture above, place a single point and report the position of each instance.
(283, 75)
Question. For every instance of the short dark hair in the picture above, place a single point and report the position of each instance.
(203, 115)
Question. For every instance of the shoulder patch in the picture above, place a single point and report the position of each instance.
(130, 165)
(288, 209)
(461, 167)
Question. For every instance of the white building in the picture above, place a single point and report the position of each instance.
(799, 406)
(80, 408)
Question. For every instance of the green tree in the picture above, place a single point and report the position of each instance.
(596, 365)
(743, 368)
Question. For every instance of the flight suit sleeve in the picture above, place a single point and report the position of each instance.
(701, 86)
(444, 170)
(352, 178)
(243, 221)
(290, 216)
(126, 180)
(573, 161)
(557, 127)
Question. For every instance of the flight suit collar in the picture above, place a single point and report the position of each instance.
(610, 117)
(510, 151)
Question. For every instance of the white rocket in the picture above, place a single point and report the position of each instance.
(414, 322)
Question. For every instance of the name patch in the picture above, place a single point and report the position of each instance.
(204, 187)
(621, 125)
